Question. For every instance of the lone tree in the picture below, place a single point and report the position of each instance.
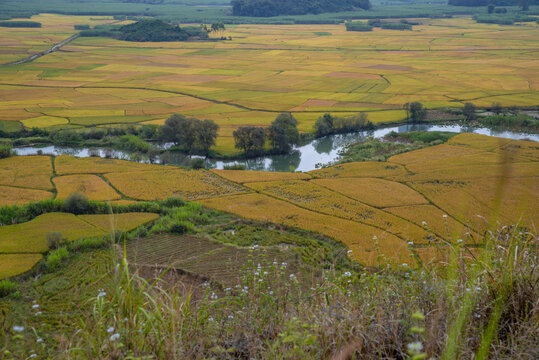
(469, 111)
(283, 133)
(206, 134)
(417, 111)
(324, 125)
(250, 139)
(189, 133)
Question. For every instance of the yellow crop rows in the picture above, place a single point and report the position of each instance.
(121, 222)
(17, 196)
(15, 264)
(320, 199)
(29, 172)
(358, 237)
(92, 186)
(186, 184)
(256, 176)
(375, 192)
(30, 237)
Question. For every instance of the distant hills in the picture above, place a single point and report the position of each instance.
(266, 8)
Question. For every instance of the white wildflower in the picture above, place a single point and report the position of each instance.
(415, 347)
(17, 328)
(110, 329)
(35, 306)
(114, 337)
(39, 340)
(348, 273)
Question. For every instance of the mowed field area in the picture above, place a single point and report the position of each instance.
(264, 70)
(410, 204)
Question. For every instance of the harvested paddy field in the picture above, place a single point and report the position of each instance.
(267, 69)
(416, 200)
(202, 258)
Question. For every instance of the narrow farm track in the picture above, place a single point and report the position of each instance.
(52, 49)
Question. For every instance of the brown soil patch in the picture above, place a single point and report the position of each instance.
(319, 103)
(440, 115)
(367, 105)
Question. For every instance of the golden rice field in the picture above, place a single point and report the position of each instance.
(122, 222)
(455, 190)
(92, 186)
(30, 237)
(15, 264)
(10, 195)
(186, 184)
(21, 245)
(263, 70)
(33, 172)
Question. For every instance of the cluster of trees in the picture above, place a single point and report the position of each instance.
(282, 135)
(524, 4)
(192, 135)
(328, 124)
(20, 24)
(266, 8)
(415, 111)
(148, 30)
(390, 25)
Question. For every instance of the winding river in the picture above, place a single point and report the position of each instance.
(308, 157)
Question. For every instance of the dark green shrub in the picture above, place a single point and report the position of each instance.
(82, 27)
(179, 228)
(234, 167)
(55, 258)
(395, 26)
(6, 151)
(7, 287)
(197, 163)
(55, 240)
(357, 26)
(77, 204)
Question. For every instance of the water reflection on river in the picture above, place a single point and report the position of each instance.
(303, 158)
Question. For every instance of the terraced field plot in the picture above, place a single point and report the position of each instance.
(21, 245)
(266, 69)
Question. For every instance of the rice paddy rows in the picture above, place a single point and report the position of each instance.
(186, 184)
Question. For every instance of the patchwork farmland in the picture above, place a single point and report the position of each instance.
(264, 70)
(411, 202)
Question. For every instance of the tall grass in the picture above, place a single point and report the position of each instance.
(480, 304)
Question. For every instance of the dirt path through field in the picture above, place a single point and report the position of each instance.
(53, 48)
